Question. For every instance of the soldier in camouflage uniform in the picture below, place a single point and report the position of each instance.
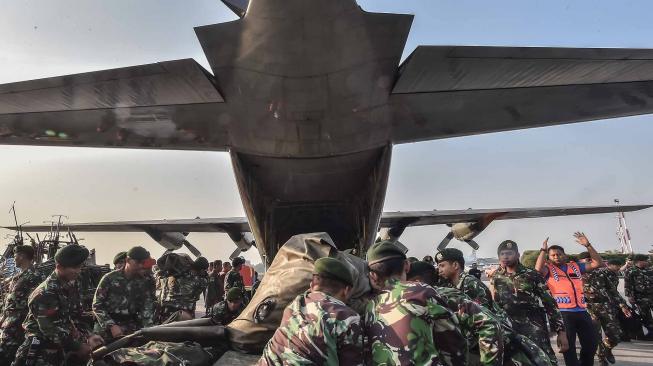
(183, 292)
(519, 291)
(53, 334)
(15, 308)
(233, 277)
(119, 261)
(451, 266)
(227, 310)
(603, 304)
(317, 328)
(124, 300)
(639, 289)
(487, 334)
(407, 322)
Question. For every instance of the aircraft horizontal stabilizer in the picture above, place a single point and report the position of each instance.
(169, 104)
(447, 91)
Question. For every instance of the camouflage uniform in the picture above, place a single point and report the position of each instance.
(221, 314)
(182, 293)
(639, 285)
(316, 329)
(128, 303)
(481, 328)
(475, 289)
(15, 311)
(603, 305)
(234, 279)
(51, 326)
(408, 323)
(160, 354)
(519, 295)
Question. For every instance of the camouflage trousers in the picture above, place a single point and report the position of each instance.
(646, 306)
(532, 325)
(606, 317)
(521, 351)
(33, 354)
(128, 327)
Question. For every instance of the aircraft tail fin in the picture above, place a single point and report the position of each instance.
(239, 7)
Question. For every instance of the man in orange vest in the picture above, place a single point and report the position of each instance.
(564, 280)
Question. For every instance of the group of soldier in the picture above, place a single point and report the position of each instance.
(44, 323)
(428, 312)
(433, 313)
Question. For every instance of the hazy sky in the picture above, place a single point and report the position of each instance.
(583, 164)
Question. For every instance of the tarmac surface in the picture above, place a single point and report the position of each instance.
(635, 353)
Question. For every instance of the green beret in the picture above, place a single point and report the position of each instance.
(412, 259)
(234, 294)
(138, 253)
(71, 255)
(25, 249)
(384, 250)
(120, 257)
(419, 269)
(238, 261)
(201, 264)
(640, 257)
(614, 262)
(450, 255)
(508, 245)
(584, 255)
(335, 269)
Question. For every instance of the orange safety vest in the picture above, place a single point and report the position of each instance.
(566, 287)
(247, 273)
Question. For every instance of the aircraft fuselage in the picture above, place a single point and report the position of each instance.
(306, 83)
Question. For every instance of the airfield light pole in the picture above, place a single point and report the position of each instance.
(622, 232)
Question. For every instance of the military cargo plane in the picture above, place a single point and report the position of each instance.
(308, 97)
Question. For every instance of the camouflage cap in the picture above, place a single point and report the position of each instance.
(237, 261)
(450, 255)
(234, 294)
(71, 255)
(640, 257)
(584, 255)
(385, 250)
(25, 249)
(507, 245)
(335, 269)
(122, 256)
(201, 264)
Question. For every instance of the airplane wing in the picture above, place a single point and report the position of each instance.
(209, 225)
(170, 104)
(447, 91)
(423, 218)
(388, 219)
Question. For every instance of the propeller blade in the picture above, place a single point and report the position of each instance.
(443, 244)
(472, 244)
(235, 254)
(192, 248)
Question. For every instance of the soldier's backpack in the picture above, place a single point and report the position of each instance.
(174, 264)
(288, 276)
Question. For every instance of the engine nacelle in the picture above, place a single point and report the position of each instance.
(465, 231)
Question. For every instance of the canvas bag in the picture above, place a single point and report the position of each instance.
(288, 276)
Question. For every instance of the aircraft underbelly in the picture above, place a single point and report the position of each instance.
(342, 195)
